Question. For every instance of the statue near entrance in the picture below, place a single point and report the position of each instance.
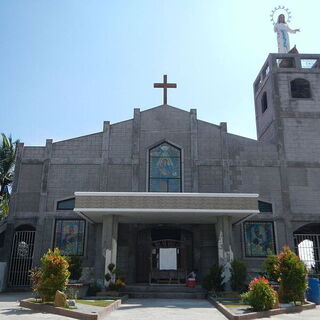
(281, 28)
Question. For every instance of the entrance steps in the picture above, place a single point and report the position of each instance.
(164, 291)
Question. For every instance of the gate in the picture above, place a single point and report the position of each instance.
(21, 259)
(307, 246)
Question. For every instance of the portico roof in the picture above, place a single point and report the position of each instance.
(159, 207)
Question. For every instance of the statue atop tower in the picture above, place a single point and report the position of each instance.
(281, 28)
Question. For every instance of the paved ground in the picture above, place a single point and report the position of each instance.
(10, 310)
(146, 309)
(168, 309)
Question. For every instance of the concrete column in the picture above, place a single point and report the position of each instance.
(224, 236)
(105, 156)
(225, 157)
(109, 240)
(44, 223)
(225, 253)
(136, 149)
(44, 177)
(194, 149)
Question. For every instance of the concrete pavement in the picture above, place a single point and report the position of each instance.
(10, 309)
(168, 309)
(146, 309)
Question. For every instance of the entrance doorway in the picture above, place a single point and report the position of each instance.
(21, 256)
(307, 246)
(164, 255)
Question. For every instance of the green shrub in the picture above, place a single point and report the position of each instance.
(115, 277)
(55, 274)
(35, 275)
(293, 274)
(214, 280)
(207, 283)
(93, 289)
(290, 271)
(271, 267)
(238, 275)
(75, 267)
(260, 296)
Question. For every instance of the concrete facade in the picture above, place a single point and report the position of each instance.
(282, 166)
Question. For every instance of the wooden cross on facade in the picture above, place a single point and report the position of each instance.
(165, 85)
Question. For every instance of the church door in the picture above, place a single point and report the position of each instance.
(143, 256)
(186, 251)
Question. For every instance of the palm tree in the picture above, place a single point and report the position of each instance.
(7, 161)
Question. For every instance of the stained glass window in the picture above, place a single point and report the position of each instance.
(165, 168)
(258, 238)
(69, 236)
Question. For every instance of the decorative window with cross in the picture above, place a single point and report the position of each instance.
(165, 168)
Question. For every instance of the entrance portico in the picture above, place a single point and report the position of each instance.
(164, 211)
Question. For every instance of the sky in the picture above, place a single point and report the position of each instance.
(68, 65)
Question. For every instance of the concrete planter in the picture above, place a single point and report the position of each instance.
(72, 313)
(256, 315)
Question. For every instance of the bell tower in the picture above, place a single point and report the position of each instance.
(287, 104)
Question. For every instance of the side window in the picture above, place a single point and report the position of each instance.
(264, 102)
(69, 236)
(300, 88)
(264, 206)
(67, 204)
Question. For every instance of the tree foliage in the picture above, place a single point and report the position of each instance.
(271, 266)
(214, 280)
(52, 276)
(293, 275)
(290, 271)
(238, 275)
(261, 296)
(75, 267)
(7, 161)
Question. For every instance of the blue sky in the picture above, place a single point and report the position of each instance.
(68, 65)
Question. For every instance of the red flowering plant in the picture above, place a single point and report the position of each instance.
(287, 269)
(261, 296)
(293, 276)
(52, 276)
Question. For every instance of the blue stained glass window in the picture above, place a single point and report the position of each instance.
(69, 236)
(165, 168)
(259, 238)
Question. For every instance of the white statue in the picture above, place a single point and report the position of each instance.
(282, 29)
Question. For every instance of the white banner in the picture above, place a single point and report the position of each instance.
(168, 259)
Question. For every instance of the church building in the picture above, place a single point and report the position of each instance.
(165, 193)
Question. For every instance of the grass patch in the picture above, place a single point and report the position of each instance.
(34, 300)
(96, 303)
(239, 305)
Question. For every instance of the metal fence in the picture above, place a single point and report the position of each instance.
(21, 258)
(307, 246)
